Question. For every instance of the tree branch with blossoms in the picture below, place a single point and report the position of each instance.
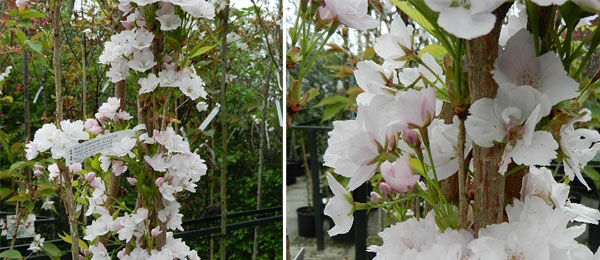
(514, 100)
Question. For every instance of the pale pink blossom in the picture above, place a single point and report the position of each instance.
(398, 174)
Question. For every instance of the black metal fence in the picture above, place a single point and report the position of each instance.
(194, 228)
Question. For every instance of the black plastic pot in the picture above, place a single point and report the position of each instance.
(295, 167)
(290, 173)
(306, 221)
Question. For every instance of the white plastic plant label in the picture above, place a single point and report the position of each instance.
(78, 152)
(37, 94)
(279, 116)
(25, 229)
(210, 117)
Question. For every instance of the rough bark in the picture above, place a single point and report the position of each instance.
(223, 179)
(488, 183)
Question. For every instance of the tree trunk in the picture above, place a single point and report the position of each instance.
(222, 252)
(70, 207)
(26, 93)
(261, 156)
(83, 81)
(56, 60)
(489, 184)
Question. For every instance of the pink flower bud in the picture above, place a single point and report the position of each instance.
(155, 231)
(126, 24)
(121, 254)
(21, 3)
(74, 168)
(81, 257)
(39, 167)
(85, 252)
(89, 123)
(385, 189)
(37, 173)
(375, 198)
(410, 137)
(90, 176)
(398, 174)
(131, 181)
(159, 181)
(167, 59)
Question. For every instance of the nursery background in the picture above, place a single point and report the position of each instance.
(236, 127)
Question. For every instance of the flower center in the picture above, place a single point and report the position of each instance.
(514, 132)
(529, 78)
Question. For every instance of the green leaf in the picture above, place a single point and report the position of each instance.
(96, 165)
(52, 251)
(68, 239)
(173, 43)
(435, 50)
(593, 174)
(331, 110)
(21, 37)
(9, 23)
(5, 192)
(415, 15)
(312, 93)
(11, 254)
(35, 45)
(201, 51)
(332, 100)
(81, 200)
(30, 13)
(20, 165)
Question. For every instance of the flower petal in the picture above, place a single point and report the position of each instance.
(541, 151)
(482, 125)
(461, 23)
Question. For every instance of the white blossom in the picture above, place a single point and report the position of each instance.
(579, 146)
(37, 243)
(339, 207)
(511, 118)
(518, 64)
(392, 46)
(352, 13)
(142, 60)
(169, 22)
(465, 19)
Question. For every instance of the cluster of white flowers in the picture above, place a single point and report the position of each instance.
(182, 169)
(524, 236)
(36, 244)
(529, 87)
(49, 137)
(131, 48)
(384, 111)
(398, 106)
